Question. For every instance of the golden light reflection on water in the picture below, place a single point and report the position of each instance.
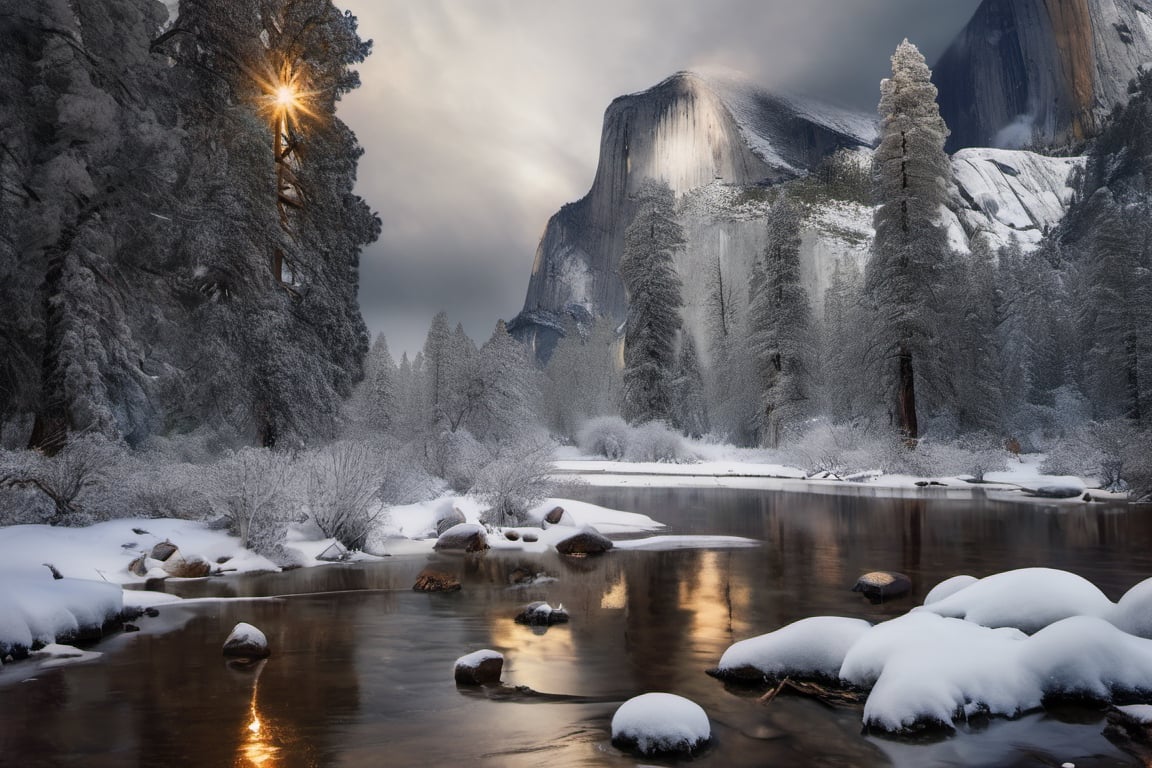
(718, 607)
(617, 595)
(258, 747)
(544, 661)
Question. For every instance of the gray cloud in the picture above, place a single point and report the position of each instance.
(480, 119)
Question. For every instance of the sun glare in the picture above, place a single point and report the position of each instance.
(285, 96)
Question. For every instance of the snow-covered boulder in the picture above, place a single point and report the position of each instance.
(948, 587)
(541, 614)
(586, 541)
(559, 516)
(1133, 613)
(479, 668)
(163, 550)
(464, 537)
(660, 723)
(449, 517)
(925, 669)
(879, 586)
(1028, 599)
(246, 641)
(809, 648)
(182, 566)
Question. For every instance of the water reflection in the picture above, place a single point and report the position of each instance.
(361, 666)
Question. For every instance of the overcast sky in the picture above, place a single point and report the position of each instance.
(480, 119)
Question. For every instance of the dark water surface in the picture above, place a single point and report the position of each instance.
(362, 668)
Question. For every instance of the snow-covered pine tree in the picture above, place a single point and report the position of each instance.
(848, 390)
(1115, 315)
(653, 289)
(689, 405)
(383, 388)
(582, 379)
(437, 368)
(506, 389)
(974, 349)
(904, 274)
(780, 329)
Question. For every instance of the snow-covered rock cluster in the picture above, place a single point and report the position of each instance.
(1001, 645)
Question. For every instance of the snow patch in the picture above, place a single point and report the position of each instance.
(813, 647)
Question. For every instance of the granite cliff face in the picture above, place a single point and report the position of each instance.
(1040, 72)
(693, 132)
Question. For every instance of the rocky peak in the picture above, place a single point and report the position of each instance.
(1041, 72)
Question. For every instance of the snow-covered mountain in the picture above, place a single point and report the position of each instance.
(1040, 72)
(719, 142)
(693, 131)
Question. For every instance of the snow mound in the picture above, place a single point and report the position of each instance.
(656, 723)
(948, 587)
(1141, 713)
(925, 668)
(1028, 599)
(1133, 613)
(40, 610)
(667, 543)
(813, 647)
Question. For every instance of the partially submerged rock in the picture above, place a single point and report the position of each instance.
(661, 724)
(479, 668)
(163, 550)
(812, 648)
(541, 614)
(465, 537)
(245, 641)
(586, 541)
(879, 586)
(435, 580)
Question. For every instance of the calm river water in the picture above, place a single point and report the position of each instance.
(362, 668)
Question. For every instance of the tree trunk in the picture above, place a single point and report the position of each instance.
(50, 430)
(906, 396)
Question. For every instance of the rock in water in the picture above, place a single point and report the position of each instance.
(247, 642)
(449, 518)
(540, 614)
(433, 580)
(586, 541)
(661, 724)
(465, 537)
(879, 586)
(163, 550)
(479, 668)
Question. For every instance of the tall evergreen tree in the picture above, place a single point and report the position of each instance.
(689, 405)
(905, 273)
(383, 387)
(780, 329)
(648, 271)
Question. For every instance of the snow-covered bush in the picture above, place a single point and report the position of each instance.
(1108, 451)
(255, 489)
(461, 457)
(827, 448)
(973, 454)
(605, 436)
(518, 476)
(72, 480)
(154, 487)
(654, 441)
(342, 482)
(403, 479)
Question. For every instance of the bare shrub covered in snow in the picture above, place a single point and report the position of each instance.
(342, 482)
(72, 481)
(605, 436)
(255, 489)
(654, 441)
(973, 454)
(403, 479)
(1113, 452)
(517, 477)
